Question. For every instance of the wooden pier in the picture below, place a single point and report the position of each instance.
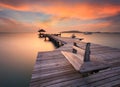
(55, 69)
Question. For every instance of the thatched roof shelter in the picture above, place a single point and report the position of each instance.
(41, 30)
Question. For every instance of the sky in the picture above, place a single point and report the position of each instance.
(59, 15)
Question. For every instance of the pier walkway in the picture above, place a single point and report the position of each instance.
(52, 69)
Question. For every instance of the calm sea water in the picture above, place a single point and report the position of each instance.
(17, 57)
(18, 54)
(112, 40)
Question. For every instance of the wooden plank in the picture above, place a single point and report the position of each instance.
(49, 66)
(54, 53)
(52, 69)
(84, 67)
(113, 83)
(88, 81)
(107, 55)
(52, 74)
(74, 59)
(46, 65)
(93, 66)
(59, 79)
(51, 60)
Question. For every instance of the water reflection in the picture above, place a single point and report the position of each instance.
(17, 57)
(18, 54)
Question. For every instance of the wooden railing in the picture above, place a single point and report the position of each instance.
(56, 42)
(85, 53)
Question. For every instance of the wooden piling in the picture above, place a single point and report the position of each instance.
(87, 53)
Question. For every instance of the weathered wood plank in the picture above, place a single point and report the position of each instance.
(84, 67)
(52, 69)
(74, 59)
(49, 66)
(58, 79)
(90, 80)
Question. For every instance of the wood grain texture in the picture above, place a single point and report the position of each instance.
(52, 69)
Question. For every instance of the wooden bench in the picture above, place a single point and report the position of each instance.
(81, 61)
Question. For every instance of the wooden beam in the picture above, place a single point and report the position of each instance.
(87, 53)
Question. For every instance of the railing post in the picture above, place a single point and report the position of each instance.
(74, 44)
(87, 53)
(74, 50)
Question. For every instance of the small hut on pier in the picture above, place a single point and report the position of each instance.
(41, 34)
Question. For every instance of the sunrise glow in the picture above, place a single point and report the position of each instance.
(59, 15)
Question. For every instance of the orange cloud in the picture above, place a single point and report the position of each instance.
(81, 11)
(19, 8)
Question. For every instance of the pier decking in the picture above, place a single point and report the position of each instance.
(52, 69)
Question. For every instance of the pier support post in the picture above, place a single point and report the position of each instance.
(45, 38)
(40, 35)
(87, 53)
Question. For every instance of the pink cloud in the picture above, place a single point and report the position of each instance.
(10, 25)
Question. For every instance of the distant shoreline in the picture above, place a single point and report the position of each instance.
(91, 32)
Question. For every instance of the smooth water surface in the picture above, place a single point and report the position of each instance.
(111, 40)
(18, 54)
